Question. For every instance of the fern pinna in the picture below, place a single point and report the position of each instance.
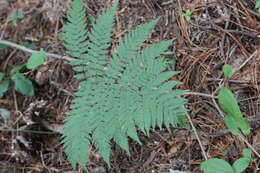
(132, 91)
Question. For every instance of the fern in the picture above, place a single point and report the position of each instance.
(131, 91)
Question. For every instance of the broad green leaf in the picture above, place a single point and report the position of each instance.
(247, 153)
(216, 166)
(241, 164)
(243, 125)
(3, 87)
(228, 102)
(23, 85)
(231, 124)
(228, 71)
(36, 59)
(5, 114)
(2, 75)
(236, 123)
(17, 68)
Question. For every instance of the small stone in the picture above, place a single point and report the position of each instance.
(99, 170)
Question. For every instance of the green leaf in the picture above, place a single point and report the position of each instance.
(2, 46)
(241, 164)
(228, 102)
(2, 75)
(231, 124)
(228, 71)
(187, 15)
(3, 87)
(247, 153)
(236, 123)
(23, 85)
(36, 59)
(257, 5)
(5, 114)
(17, 68)
(216, 166)
(18, 14)
(234, 118)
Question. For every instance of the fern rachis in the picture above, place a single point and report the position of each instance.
(132, 91)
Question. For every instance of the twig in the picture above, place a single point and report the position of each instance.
(28, 131)
(248, 144)
(200, 94)
(43, 163)
(229, 80)
(244, 63)
(197, 136)
(51, 55)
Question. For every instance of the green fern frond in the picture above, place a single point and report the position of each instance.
(131, 91)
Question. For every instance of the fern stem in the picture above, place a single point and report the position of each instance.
(22, 48)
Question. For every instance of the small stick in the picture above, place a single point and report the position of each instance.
(200, 94)
(248, 144)
(197, 136)
(51, 55)
(244, 63)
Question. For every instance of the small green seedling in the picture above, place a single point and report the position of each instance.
(21, 84)
(228, 71)
(187, 15)
(257, 6)
(216, 165)
(18, 14)
(234, 119)
(36, 59)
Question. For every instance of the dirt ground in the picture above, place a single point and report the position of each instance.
(219, 32)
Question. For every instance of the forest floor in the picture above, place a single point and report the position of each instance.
(219, 32)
